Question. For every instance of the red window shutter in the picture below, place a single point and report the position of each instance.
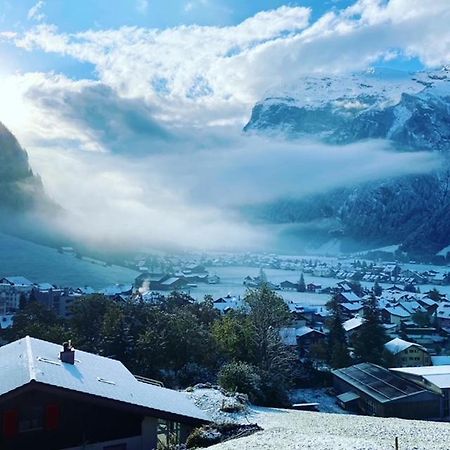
(52, 414)
(10, 423)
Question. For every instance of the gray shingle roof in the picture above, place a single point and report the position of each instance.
(30, 359)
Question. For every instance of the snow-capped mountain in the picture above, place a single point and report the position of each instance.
(412, 111)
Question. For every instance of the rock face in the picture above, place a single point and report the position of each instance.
(413, 112)
(20, 189)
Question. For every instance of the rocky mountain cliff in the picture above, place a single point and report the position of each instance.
(413, 112)
(20, 189)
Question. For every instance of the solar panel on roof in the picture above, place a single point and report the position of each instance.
(379, 382)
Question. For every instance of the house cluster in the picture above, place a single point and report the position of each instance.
(417, 324)
(15, 290)
(382, 273)
(148, 282)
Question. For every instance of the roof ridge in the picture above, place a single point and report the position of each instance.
(30, 360)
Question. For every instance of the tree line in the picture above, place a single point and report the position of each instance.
(178, 341)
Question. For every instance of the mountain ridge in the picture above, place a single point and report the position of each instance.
(412, 112)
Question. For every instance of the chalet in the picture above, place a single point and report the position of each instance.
(408, 354)
(20, 283)
(60, 398)
(311, 287)
(374, 390)
(168, 283)
(288, 286)
(308, 337)
(9, 298)
(347, 297)
(348, 310)
(352, 326)
(443, 315)
(302, 338)
(228, 303)
(412, 306)
(394, 314)
(195, 268)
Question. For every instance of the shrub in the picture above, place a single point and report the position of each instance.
(240, 377)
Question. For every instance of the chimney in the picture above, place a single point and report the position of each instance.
(68, 354)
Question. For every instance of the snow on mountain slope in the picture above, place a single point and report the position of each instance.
(410, 109)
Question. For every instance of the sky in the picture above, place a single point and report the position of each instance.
(132, 108)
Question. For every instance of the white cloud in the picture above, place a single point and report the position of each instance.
(203, 75)
(190, 5)
(35, 12)
(142, 6)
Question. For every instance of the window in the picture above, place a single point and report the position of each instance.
(169, 434)
(31, 419)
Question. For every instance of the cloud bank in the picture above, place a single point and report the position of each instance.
(151, 153)
(208, 75)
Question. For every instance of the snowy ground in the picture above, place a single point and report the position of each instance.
(295, 430)
(327, 403)
(298, 430)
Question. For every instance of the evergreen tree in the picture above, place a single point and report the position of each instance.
(338, 353)
(370, 340)
(377, 289)
(357, 288)
(38, 321)
(301, 286)
(435, 295)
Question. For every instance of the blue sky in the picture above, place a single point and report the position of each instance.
(81, 15)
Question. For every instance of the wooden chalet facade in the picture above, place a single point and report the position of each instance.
(76, 400)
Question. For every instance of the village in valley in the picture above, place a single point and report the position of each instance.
(411, 301)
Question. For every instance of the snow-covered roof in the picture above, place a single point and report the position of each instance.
(33, 360)
(351, 297)
(412, 306)
(427, 301)
(303, 331)
(443, 311)
(18, 281)
(397, 311)
(398, 345)
(353, 323)
(45, 286)
(353, 306)
(437, 375)
(170, 281)
(116, 289)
